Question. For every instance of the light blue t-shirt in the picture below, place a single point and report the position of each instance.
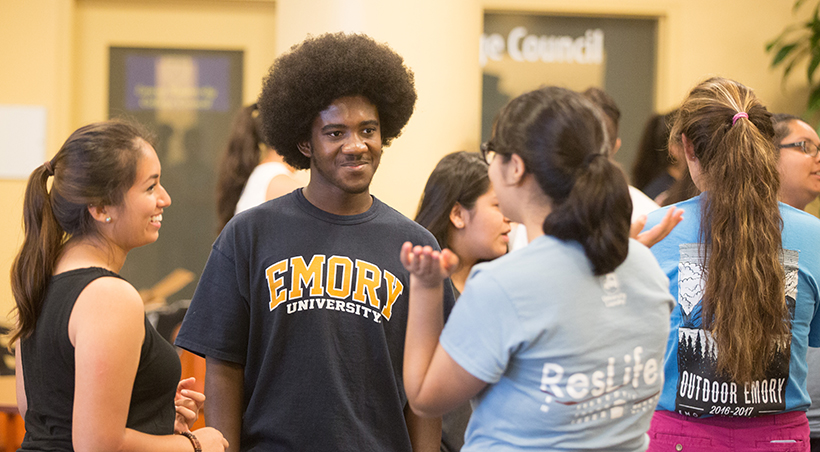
(573, 361)
(693, 386)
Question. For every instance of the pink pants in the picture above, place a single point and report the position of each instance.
(785, 432)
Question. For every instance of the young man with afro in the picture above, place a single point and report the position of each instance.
(302, 307)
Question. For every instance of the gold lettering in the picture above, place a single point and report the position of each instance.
(310, 275)
(394, 289)
(368, 279)
(333, 265)
(278, 293)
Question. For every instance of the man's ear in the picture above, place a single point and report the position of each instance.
(457, 216)
(304, 148)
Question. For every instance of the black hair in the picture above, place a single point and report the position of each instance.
(458, 178)
(560, 137)
(95, 166)
(307, 79)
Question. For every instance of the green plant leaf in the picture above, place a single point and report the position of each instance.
(815, 61)
(795, 58)
(783, 53)
(797, 5)
(774, 42)
(814, 99)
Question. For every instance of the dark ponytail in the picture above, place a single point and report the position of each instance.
(596, 213)
(561, 139)
(95, 166)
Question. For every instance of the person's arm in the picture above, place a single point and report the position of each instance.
(107, 329)
(433, 381)
(20, 386)
(425, 433)
(224, 386)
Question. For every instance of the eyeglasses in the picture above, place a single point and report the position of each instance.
(808, 148)
(487, 152)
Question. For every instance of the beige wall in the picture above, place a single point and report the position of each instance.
(54, 53)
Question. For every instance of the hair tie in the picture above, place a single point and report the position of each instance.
(590, 157)
(738, 115)
(49, 168)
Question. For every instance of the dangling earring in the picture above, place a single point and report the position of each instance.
(108, 219)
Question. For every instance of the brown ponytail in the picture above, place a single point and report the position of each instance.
(743, 301)
(34, 264)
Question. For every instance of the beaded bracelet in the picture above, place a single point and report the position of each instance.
(192, 438)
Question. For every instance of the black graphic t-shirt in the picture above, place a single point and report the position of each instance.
(314, 305)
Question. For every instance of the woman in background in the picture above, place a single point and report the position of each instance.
(460, 208)
(558, 342)
(92, 373)
(250, 172)
(799, 166)
(743, 269)
(656, 169)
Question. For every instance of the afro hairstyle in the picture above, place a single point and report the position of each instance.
(307, 79)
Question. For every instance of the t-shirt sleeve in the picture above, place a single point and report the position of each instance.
(217, 320)
(483, 331)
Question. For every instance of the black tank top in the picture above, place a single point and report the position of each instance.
(48, 370)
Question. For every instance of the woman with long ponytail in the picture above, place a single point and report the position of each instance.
(92, 374)
(559, 344)
(743, 269)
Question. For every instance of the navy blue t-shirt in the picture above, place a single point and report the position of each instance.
(314, 305)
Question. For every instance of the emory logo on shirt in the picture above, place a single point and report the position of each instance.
(336, 283)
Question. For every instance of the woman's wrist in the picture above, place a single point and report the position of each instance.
(194, 442)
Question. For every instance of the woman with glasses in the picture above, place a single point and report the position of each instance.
(799, 164)
(743, 269)
(800, 184)
(559, 344)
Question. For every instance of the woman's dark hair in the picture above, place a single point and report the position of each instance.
(241, 156)
(458, 178)
(653, 156)
(95, 166)
(780, 122)
(743, 303)
(306, 80)
(560, 137)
